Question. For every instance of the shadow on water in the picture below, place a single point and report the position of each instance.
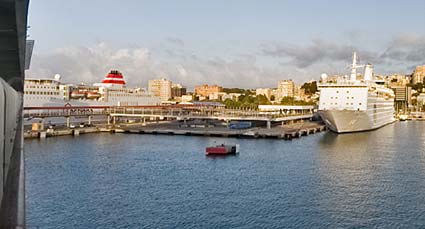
(221, 157)
(343, 140)
(359, 174)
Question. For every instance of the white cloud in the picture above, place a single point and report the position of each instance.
(91, 64)
(188, 67)
(401, 53)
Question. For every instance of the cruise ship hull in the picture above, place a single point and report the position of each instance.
(347, 121)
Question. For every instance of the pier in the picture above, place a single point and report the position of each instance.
(286, 132)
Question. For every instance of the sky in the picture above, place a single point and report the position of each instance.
(234, 43)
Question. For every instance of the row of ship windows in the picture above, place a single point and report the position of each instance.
(38, 97)
(120, 95)
(41, 93)
(122, 90)
(46, 87)
(345, 104)
(337, 97)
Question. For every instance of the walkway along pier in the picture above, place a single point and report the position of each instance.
(211, 113)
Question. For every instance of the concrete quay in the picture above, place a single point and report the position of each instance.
(60, 132)
(286, 132)
(213, 129)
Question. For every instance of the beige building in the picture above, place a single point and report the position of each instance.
(286, 88)
(205, 90)
(160, 88)
(418, 74)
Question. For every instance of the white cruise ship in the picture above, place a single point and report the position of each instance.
(351, 105)
(111, 92)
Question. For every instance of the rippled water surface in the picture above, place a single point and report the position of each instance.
(370, 179)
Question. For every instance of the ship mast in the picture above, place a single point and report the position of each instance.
(353, 76)
(354, 66)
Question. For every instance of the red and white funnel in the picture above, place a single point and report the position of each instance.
(114, 77)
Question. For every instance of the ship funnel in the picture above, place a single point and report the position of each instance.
(368, 72)
(114, 77)
(353, 76)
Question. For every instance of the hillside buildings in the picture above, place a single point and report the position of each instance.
(418, 74)
(264, 91)
(205, 90)
(398, 80)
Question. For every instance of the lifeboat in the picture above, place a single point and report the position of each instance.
(78, 95)
(93, 95)
(222, 149)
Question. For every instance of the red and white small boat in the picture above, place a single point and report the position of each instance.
(222, 149)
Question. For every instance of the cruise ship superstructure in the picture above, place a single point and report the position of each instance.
(352, 104)
(110, 92)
